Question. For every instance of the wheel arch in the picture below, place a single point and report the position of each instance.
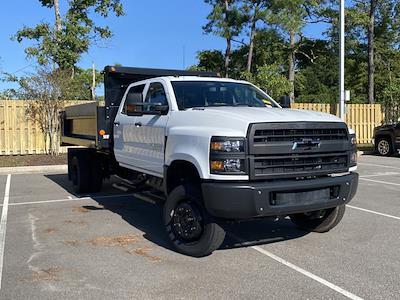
(179, 172)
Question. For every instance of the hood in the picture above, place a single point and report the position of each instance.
(234, 121)
(385, 127)
(262, 114)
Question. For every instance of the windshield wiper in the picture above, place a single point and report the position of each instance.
(243, 104)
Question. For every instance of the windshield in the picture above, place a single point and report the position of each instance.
(191, 94)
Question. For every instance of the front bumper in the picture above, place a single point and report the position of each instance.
(245, 200)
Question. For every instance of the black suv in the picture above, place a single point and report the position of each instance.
(387, 139)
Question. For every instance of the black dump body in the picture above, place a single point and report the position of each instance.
(80, 124)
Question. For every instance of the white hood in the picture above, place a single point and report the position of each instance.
(265, 114)
(234, 121)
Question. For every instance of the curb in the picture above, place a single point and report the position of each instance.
(33, 169)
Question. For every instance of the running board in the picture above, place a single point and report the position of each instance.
(147, 196)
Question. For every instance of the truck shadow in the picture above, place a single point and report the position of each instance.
(147, 218)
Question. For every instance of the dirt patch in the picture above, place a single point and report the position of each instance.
(80, 223)
(72, 243)
(50, 230)
(120, 241)
(32, 160)
(144, 251)
(45, 275)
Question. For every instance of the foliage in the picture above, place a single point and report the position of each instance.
(315, 68)
(64, 43)
(49, 89)
(270, 79)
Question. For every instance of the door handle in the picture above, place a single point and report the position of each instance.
(138, 124)
(117, 123)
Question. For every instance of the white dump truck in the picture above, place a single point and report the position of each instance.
(211, 150)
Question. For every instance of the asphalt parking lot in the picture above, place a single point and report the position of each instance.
(109, 245)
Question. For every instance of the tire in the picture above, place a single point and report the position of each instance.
(384, 146)
(204, 235)
(80, 174)
(86, 173)
(317, 222)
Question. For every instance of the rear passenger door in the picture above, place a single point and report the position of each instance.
(150, 132)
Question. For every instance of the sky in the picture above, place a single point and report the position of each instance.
(153, 33)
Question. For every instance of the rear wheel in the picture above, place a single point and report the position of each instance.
(86, 173)
(319, 221)
(384, 147)
(190, 228)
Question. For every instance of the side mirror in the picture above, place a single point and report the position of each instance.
(284, 101)
(133, 104)
(140, 109)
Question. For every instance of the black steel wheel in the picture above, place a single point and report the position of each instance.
(187, 221)
(190, 228)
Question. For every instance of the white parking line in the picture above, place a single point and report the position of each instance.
(373, 212)
(380, 181)
(380, 174)
(376, 165)
(301, 270)
(3, 224)
(68, 199)
(308, 274)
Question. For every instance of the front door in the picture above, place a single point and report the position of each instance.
(150, 133)
(125, 148)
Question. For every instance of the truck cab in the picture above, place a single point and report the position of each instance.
(217, 149)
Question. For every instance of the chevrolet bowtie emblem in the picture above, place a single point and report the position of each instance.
(306, 143)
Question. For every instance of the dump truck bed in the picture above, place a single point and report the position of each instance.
(81, 125)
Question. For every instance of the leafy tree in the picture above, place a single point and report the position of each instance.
(226, 21)
(72, 34)
(209, 60)
(270, 79)
(49, 89)
(291, 17)
(254, 11)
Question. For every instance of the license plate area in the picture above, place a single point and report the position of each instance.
(308, 197)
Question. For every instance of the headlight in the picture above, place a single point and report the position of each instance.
(353, 139)
(227, 156)
(228, 165)
(353, 154)
(224, 144)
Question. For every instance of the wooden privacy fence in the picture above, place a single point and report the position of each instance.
(19, 136)
(363, 118)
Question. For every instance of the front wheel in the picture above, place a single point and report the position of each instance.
(190, 228)
(319, 221)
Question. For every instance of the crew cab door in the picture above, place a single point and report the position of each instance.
(150, 131)
(125, 149)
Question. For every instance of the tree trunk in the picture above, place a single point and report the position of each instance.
(371, 45)
(252, 37)
(292, 56)
(228, 40)
(93, 87)
(58, 15)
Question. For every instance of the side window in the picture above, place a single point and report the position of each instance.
(156, 94)
(128, 105)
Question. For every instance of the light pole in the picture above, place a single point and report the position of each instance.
(341, 62)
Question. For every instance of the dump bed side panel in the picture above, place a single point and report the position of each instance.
(79, 125)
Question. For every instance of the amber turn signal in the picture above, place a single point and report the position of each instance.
(102, 132)
(217, 165)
